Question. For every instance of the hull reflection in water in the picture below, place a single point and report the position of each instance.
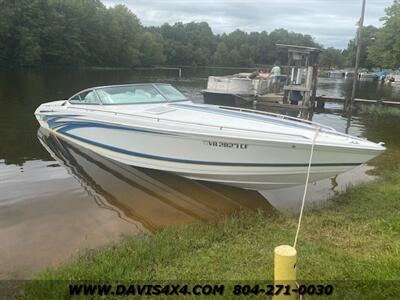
(152, 198)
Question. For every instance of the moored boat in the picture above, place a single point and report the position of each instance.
(154, 126)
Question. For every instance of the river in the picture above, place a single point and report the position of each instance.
(56, 199)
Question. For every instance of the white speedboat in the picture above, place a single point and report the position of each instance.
(154, 126)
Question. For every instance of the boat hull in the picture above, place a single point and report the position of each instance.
(249, 164)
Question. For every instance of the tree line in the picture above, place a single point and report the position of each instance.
(87, 33)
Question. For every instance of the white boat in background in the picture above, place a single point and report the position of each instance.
(336, 74)
(154, 126)
(396, 80)
(367, 76)
(349, 74)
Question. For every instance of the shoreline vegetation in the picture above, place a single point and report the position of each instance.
(353, 243)
(88, 33)
(378, 111)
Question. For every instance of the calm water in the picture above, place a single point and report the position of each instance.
(57, 199)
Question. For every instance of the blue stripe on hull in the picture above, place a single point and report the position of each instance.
(64, 131)
(64, 126)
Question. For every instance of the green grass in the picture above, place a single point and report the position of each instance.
(356, 237)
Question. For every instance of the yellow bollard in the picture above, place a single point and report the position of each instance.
(285, 271)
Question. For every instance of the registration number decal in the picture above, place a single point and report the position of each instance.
(225, 145)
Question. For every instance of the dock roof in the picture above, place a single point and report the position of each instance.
(300, 49)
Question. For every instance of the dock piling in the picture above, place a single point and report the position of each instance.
(358, 44)
(285, 261)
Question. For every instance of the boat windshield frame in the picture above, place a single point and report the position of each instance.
(100, 102)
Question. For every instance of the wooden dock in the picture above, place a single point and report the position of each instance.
(273, 100)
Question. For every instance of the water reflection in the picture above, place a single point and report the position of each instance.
(385, 129)
(153, 198)
(318, 192)
(156, 199)
(366, 89)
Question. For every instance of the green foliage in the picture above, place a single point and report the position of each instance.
(187, 44)
(221, 55)
(151, 49)
(74, 32)
(85, 32)
(20, 23)
(332, 58)
(368, 39)
(124, 34)
(247, 49)
(385, 51)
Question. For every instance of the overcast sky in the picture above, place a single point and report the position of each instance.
(331, 22)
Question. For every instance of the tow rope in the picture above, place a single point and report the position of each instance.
(306, 186)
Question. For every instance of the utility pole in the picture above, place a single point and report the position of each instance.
(358, 44)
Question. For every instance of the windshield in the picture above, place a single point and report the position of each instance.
(129, 94)
(171, 93)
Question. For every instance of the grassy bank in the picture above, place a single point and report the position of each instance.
(357, 237)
